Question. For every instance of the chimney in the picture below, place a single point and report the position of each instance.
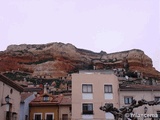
(45, 89)
(94, 67)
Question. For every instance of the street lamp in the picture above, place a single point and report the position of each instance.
(145, 110)
(7, 98)
(8, 107)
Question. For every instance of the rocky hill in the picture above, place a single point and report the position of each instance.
(55, 60)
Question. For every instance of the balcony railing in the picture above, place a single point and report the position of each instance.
(87, 112)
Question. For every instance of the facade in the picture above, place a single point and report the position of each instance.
(45, 107)
(92, 89)
(139, 92)
(50, 107)
(26, 98)
(8, 89)
(65, 108)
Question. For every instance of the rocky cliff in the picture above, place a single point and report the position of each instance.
(55, 60)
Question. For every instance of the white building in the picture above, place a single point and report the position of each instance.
(139, 92)
(10, 107)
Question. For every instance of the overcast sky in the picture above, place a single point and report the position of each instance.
(108, 25)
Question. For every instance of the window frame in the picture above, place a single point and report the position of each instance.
(87, 85)
(37, 114)
(158, 113)
(46, 98)
(128, 97)
(87, 112)
(157, 97)
(64, 116)
(49, 114)
(109, 90)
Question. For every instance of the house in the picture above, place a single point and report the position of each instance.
(138, 92)
(90, 90)
(49, 107)
(10, 96)
(26, 98)
(45, 106)
(65, 107)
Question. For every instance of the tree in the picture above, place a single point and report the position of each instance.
(126, 110)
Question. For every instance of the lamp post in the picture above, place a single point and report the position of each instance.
(145, 111)
(9, 107)
(7, 98)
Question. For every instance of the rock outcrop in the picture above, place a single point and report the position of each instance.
(58, 59)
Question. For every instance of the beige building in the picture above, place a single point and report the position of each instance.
(10, 99)
(138, 92)
(92, 89)
(65, 107)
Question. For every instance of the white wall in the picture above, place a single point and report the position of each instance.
(138, 95)
(24, 107)
(15, 100)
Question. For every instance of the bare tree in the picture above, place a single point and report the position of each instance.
(126, 110)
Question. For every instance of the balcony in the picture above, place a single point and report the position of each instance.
(87, 113)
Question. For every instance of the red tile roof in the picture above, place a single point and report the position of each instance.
(66, 101)
(53, 100)
(138, 87)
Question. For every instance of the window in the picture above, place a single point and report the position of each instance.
(128, 100)
(158, 113)
(14, 116)
(108, 92)
(157, 98)
(87, 88)
(45, 98)
(87, 108)
(26, 117)
(37, 116)
(108, 88)
(70, 109)
(49, 116)
(64, 116)
(11, 91)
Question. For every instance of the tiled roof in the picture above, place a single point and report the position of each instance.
(138, 87)
(11, 83)
(53, 100)
(65, 101)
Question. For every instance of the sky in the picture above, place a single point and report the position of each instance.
(107, 25)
